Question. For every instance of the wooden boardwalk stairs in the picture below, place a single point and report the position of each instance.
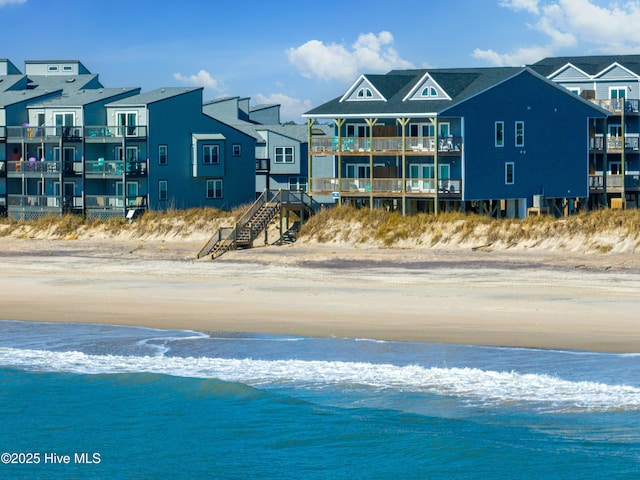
(257, 219)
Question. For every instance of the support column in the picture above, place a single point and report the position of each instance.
(403, 124)
(371, 122)
(339, 123)
(310, 123)
(436, 173)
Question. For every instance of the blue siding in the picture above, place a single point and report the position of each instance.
(554, 158)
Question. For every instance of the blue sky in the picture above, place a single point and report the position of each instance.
(301, 54)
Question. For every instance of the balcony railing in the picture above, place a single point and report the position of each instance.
(616, 105)
(614, 144)
(104, 168)
(384, 145)
(614, 181)
(54, 202)
(111, 202)
(379, 186)
(72, 133)
(34, 166)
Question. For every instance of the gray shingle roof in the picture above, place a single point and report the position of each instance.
(592, 64)
(458, 83)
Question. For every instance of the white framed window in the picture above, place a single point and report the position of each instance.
(284, 155)
(163, 188)
(364, 92)
(132, 154)
(445, 129)
(509, 173)
(67, 68)
(237, 149)
(298, 183)
(616, 93)
(429, 92)
(132, 193)
(163, 154)
(52, 68)
(127, 123)
(519, 134)
(210, 154)
(214, 188)
(69, 154)
(499, 137)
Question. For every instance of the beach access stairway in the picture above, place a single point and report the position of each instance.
(257, 219)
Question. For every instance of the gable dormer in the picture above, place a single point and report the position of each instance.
(615, 71)
(569, 73)
(8, 68)
(361, 91)
(427, 89)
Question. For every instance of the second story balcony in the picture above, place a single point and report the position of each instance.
(414, 187)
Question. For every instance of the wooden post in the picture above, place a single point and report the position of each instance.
(436, 206)
(403, 124)
(310, 123)
(371, 122)
(339, 123)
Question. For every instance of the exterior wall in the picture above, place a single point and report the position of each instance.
(185, 190)
(266, 116)
(554, 159)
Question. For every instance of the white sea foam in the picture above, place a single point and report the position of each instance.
(490, 387)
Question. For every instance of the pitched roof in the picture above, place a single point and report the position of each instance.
(592, 64)
(84, 97)
(153, 96)
(458, 83)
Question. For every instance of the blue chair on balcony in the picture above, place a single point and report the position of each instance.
(99, 165)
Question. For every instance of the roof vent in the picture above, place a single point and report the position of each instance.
(71, 79)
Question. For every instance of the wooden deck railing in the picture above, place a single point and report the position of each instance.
(385, 145)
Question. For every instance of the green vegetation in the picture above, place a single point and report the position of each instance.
(599, 229)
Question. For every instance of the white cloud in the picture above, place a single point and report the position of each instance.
(527, 5)
(9, 2)
(201, 79)
(370, 52)
(611, 28)
(290, 108)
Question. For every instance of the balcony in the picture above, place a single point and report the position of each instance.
(102, 168)
(614, 144)
(385, 145)
(93, 134)
(35, 168)
(115, 202)
(413, 187)
(44, 203)
(613, 182)
(616, 105)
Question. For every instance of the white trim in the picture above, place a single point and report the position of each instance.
(420, 83)
(356, 85)
(611, 67)
(566, 67)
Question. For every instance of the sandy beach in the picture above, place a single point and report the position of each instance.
(522, 298)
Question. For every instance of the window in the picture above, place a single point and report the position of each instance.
(132, 193)
(429, 92)
(162, 154)
(67, 68)
(284, 155)
(128, 120)
(509, 173)
(617, 92)
(214, 188)
(132, 154)
(519, 134)
(237, 149)
(298, 183)
(499, 134)
(357, 130)
(52, 68)
(162, 189)
(421, 130)
(364, 93)
(210, 154)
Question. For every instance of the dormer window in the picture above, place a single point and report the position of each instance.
(429, 92)
(364, 93)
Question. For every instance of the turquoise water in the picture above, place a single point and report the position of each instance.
(126, 402)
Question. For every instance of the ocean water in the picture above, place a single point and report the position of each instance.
(90, 401)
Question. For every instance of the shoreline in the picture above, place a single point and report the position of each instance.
(532, 299)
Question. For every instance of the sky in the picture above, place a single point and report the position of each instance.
(301, 54)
